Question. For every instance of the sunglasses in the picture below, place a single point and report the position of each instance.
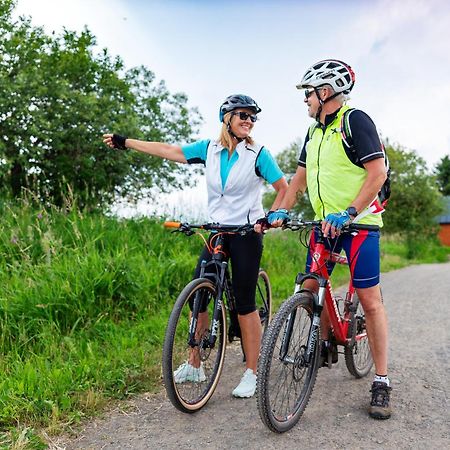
(244, 116)
(309, 92)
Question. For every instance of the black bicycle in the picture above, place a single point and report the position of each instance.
(195, 339)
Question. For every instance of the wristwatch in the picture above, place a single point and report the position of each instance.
(352, 211)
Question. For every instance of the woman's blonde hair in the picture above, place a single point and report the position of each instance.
(225, 138)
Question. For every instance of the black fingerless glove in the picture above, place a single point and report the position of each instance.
(265, 225)
(118, 141)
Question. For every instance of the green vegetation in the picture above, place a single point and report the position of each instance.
(84, 305)
(85, 298)
(442, 172)
(58, 95)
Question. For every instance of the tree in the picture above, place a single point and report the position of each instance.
(442, 172)
(56, 100)
(415, 199)
(287, 160)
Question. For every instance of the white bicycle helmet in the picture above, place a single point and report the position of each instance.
(337, 74)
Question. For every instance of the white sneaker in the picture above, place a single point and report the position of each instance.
(247, 387)
(186, 372)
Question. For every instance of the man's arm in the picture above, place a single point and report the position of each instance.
(297, 184)
(376, 175)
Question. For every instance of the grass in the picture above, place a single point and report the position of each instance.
(84, 304)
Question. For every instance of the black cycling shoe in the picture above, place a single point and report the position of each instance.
(328, 354)
(379, 405)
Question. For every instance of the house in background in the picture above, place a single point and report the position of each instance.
(444, 223)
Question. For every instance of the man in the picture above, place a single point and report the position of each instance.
(343, 182)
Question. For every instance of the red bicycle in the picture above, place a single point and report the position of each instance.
(290, 353)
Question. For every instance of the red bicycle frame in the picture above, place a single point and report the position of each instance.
(320, 256)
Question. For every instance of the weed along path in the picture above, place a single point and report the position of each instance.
(418, 304)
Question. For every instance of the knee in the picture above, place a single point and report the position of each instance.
(372, 306)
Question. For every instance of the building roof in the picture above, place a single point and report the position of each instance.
(445, 217)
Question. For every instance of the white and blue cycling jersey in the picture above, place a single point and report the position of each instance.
(234, 183)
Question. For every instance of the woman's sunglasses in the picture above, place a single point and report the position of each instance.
(244, 116)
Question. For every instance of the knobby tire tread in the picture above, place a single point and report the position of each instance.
(276, 326)
(167, 353)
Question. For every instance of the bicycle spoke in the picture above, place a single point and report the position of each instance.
(285, 381)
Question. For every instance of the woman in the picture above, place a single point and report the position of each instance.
(236, 168)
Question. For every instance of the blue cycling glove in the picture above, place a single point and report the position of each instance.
(279, 214)
(339, 219)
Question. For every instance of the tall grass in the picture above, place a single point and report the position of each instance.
(84, 302)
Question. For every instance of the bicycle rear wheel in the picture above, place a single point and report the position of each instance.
(358, 357)
(189, 387)
(285, 381)
(264, 299)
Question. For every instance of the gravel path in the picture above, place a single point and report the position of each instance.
(418, 304)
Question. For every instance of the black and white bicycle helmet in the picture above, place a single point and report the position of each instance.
(233, 102)
(337, 74)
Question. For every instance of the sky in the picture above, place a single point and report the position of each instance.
(399, 50)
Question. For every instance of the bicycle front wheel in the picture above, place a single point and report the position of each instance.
(264, 299)
(285, 379)
(358, 357)
(191, 370)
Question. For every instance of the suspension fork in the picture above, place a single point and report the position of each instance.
(218, 303)
(313, 334)
(195, 311)
(198, 298)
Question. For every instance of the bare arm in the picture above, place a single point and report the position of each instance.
(160, 149)
(297, 184)
(281, 187)
(376, 175)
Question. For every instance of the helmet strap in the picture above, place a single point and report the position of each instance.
(322, 102)
(231, 132)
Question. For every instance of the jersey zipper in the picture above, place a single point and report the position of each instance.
(318, 171)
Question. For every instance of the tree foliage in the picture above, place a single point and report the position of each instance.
(57, 98)
(442, 172)
(415, 199)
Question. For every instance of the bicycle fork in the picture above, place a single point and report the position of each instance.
(313, 334)
(218, 305)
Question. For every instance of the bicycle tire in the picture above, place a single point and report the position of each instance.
(284, 387)
(358, 357)
(190, 396)
(264, 299)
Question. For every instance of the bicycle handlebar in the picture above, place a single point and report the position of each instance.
(296, 225)
(187, 228)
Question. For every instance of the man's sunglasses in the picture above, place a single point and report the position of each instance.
(244, 116)
(309, 92)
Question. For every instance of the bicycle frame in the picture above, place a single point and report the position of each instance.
(325, 295)
(223, 283)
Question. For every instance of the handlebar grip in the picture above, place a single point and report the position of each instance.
(172, 224)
